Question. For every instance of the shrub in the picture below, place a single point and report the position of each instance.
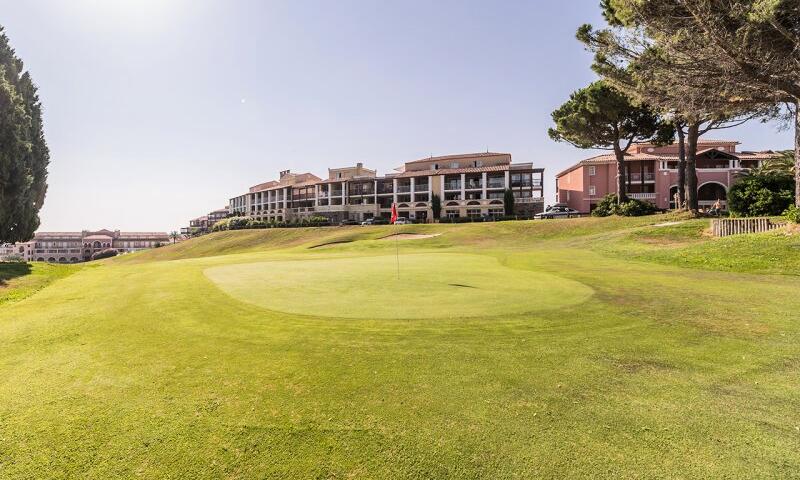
(761, 195)
(107, 253)
(632, 208)
(792, 213)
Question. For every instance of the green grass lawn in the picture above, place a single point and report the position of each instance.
(582, 348)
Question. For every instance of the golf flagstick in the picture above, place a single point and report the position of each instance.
(396, 245)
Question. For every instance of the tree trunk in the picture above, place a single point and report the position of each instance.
(797, 153)
(621, 196)
(681, 168)
(691, 166)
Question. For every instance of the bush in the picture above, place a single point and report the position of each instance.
(107, 253)
(761, 195)
(632, 208)
(792, 214)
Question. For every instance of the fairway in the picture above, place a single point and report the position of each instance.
(581, 348)
(425, 285)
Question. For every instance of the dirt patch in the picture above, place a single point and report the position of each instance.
(409, 236)
(667, 224)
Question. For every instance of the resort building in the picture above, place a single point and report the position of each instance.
(73, 247)
(468, 185)
(203, 224)
(652, 174)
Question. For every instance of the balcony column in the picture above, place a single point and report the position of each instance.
(344, 193)
(412, 190)
(394, 190)
(286, 198)
(483, 185)
(375, 196)
(330, 194)
(441, 177)
(507, 184)
(316, 195)
(463, 186)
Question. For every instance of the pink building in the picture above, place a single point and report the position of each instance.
(652, 174)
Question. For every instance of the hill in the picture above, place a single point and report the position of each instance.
(577, 348)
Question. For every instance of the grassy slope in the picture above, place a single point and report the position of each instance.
(664, 372)
(21, 280)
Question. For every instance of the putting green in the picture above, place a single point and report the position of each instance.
(430, 286)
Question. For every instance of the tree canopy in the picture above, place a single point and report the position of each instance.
(24, 155)
(600, 116)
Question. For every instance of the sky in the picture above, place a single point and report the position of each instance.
(158, 111)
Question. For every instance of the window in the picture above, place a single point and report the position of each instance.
(436, 166)
(339, 175)
(454, 165)
(591, 190)
(592, 170)
(477, 163)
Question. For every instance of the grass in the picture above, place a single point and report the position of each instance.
(21, 280)
(182, 363)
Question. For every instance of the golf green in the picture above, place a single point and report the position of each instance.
(425, 285)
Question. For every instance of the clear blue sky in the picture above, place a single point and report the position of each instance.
(157, 111)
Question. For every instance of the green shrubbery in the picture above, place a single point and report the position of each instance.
(107, 253)
(632, 208)
(792, 214)
(242, 223)
(761, 195)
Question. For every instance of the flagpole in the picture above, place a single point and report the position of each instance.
(396, 244)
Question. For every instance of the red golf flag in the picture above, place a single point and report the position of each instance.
(394, 213)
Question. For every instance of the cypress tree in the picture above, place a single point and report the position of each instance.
(24, 155)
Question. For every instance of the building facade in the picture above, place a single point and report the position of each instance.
(652, 175)
(204, 224)
(469, 185)
(74, 247)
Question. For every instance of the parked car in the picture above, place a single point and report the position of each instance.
(557, 211)
(403, 221)
(348, 222)
(375, 221)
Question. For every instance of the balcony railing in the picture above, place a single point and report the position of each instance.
(500, 183)
(452, 185)
(474, 185)
(403, 188)
(642, 196)
(421, 187)
(637, 177)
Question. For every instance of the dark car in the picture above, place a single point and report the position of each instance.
(348, 222)
(558, 211)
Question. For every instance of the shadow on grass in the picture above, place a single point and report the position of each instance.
(12, 270)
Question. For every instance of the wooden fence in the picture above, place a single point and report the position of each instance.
(722, 227)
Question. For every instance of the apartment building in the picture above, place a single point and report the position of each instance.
(651, 174)
(205, 223)
(469, 185)
(73, 247)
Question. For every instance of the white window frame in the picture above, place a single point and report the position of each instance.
(592, 191)
(592, 170)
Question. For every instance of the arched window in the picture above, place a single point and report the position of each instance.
(422, 205)
(473, 203)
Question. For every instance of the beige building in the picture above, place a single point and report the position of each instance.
(73, 247)
(469, 185)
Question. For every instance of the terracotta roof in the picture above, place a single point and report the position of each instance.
(461, 155)
(610, 158)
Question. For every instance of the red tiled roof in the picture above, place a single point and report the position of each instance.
(610, 158)
(460, 155)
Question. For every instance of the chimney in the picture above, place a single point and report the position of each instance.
(359, 165)
(284, 173)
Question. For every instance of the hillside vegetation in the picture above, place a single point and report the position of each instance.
(585, 348)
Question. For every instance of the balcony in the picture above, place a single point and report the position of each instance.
(637, 176)
(474, 185)
(421, 187)
(403, 188)
(452, 185)
(496, 183)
